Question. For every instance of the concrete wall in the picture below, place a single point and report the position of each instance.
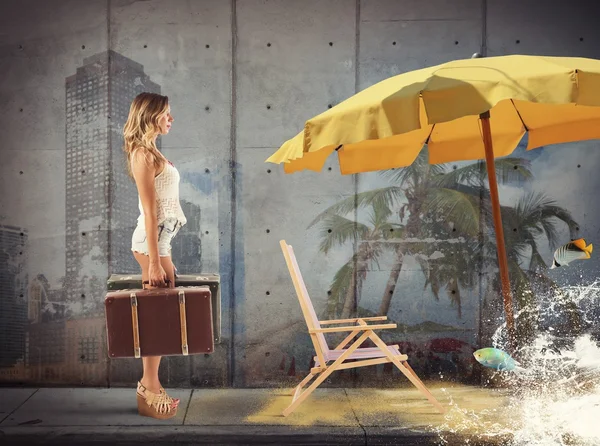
(242, 77)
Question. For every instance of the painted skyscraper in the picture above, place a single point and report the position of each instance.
(13, 303)
(101, 199)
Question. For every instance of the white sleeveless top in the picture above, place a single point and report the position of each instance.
(166, 185)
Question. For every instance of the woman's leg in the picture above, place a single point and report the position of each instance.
(151, 363)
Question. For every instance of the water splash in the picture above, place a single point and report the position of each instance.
(556, 402)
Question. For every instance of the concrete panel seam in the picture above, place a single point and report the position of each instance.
(18, 407)
(354, 412)
(110, 162)
(484, 28)
(232, 167)
(187, 408)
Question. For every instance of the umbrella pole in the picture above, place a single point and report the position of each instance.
(502, 259)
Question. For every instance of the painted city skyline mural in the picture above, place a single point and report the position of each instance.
(52, 327)
(239, 85)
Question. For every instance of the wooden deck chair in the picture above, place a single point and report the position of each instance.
(365, 356)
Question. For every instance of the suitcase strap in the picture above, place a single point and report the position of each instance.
(183, 323)
(136, 326)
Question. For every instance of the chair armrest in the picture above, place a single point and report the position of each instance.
(353, 328)
(347, 321)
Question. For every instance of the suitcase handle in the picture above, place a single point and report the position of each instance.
(147, 282)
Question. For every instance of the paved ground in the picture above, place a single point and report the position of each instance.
(253, 416)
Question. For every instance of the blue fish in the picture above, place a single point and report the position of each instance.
(497, 359)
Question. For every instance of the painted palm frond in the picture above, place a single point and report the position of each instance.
(475, 174)
(387, 197)
(342, 280)
(454, 206)
(338, 230)
(416, 174)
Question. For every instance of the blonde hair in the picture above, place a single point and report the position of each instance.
(141, 129)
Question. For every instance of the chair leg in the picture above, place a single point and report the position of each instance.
(410, 375)
(302, 384)
(412, 372)
(324, 375)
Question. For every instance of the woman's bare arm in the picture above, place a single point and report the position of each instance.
(144, 173)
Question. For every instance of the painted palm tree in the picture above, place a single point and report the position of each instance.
(451, 263)
(452, 205)
(441, 201)
(533, 220)
(370, 239)
(435, 195)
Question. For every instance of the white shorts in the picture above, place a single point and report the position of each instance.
(166, 231)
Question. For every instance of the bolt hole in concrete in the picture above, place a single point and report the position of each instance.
(329, 169)
(206, 232)
(207, 46)
(206, 170)
(329, 231)
(207, 108)
(330, 43)
(268, 170)
(268, 231)
(20, 172)
(269, 44)
(83, 47)
(268, 293)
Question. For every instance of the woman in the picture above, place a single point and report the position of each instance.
(161, 216)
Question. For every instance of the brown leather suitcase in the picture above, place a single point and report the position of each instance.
(159, 322)
(213, 280)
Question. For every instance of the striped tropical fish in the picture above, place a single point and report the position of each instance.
(575, 250)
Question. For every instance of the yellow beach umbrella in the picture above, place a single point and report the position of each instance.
(469, 109)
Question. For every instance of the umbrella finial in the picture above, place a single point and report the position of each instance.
(476, 56)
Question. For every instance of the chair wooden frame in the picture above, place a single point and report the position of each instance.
(365, 356)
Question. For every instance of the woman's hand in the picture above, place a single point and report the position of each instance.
(157, 275)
